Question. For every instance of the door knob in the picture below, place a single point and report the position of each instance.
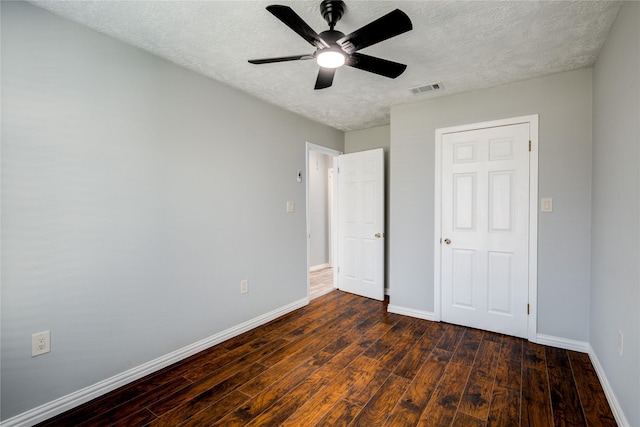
(379, 235)
(447, 241)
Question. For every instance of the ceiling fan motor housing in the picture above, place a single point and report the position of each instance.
(332, 11)
(331, 36)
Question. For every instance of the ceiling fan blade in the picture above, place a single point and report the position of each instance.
(293, 21)
(376, 65)
(325, 78)
(280, 59)
(390, 25)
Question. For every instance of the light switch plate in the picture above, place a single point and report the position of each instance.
(291, 207)
(546, 205)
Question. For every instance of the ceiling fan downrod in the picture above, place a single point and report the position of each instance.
(332, 11)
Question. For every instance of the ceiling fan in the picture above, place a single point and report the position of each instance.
(334, 49)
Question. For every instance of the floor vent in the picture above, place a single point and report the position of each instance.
(426, 88)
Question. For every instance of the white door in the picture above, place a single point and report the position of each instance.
(361, 223)
(485, 228)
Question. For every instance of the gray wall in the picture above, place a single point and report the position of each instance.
(369, 139)
(319, 214)
(615, 272)
(136, 195)
(563, 102)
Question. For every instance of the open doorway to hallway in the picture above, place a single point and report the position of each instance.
(320, 219)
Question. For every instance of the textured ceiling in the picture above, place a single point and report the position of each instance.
(464, 45)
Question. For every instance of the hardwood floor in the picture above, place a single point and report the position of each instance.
(320, 282)
(343, 360)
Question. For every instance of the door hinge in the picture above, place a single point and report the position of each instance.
(529, 145)
(528, 309)
(338, 269)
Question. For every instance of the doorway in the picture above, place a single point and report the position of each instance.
(321, 214)
(352, 234)
(486, 216)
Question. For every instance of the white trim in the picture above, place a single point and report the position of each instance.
(319, 266)
(412, 312)
(330, 220)
(565, 343)
(58, 406)
(533, 214)
(437, 228)
(334, 230)
(608, 391)
(533, 227)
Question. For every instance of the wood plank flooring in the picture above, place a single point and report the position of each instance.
(344, 361)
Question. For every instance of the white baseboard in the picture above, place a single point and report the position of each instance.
(608, 391)
(319, 267)
(412, 312)
(58, 406)
(565, 343)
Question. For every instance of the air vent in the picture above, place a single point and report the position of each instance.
(426, 88)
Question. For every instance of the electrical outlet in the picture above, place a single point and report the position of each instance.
(40, 343)
(620, 342)
(244, 286)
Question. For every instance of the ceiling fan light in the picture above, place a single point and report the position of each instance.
(330, 58)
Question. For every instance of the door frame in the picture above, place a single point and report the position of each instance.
(334, 210)
(532, 120)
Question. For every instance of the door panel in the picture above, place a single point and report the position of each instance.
(485, 217)
(464, 208)
(499, 283)
(361, 223)
(500, 201)
(463, 278)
